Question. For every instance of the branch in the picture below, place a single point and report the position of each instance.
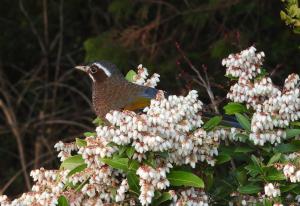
(202, 81)
(11, 120)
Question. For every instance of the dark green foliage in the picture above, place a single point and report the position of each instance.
(50, 100)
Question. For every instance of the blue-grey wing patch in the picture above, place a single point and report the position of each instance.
(149, 93)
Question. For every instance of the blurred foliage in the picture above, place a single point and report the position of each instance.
(43, 40)
(291, 15)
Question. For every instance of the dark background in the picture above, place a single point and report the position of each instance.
(43, 99)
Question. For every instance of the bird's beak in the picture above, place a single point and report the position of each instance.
(82, 68)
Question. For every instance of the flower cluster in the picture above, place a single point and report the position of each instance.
(65, 149)
(152, 179)
(134, 158)
(274, 108)
(141, 77)
(168, 125)
(169, 129)
(190, 197)
(271, 190)
(291, 169)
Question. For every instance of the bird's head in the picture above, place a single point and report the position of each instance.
(99, 71)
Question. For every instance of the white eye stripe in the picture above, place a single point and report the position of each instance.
(106, 71)
(92, 77)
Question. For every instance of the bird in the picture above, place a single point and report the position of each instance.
(111, 91)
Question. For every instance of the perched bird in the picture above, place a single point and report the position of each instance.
(111, 91)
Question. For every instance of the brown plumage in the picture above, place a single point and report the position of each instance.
(111, 91)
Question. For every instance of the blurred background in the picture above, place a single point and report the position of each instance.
(43, 99)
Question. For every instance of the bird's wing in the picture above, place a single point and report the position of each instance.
(141, 99)
(137, 104)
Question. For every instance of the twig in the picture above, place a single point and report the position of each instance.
(12, 122)
(202, 81)
(34, 30)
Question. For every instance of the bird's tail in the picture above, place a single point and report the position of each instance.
(229, 121)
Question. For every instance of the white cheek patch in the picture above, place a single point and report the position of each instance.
(92, 77)
(106, 71)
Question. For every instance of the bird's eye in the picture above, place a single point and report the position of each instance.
(93, 69)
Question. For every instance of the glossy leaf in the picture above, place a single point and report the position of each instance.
(130, 75)
(89, 134)
(212, 123)
(183, 178)
(222, 158)
(274, 159)
(243, 149)
(133, 182)
(294, 146)
(291, 133)
(250, 189)
(244, 121)
(130, 151)
(77, 169)
(98, 121)
(163, 198)
(274, 175)
(233, 108)
(80, 142)
(62, 201)
(133, 165)
(116, 163)
(72, 162)
(295, 124)
(288, 187)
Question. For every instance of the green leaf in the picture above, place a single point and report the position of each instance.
(133, 165)
(289, 187)
(291, 133)
(133, 182)
(262, 74)
(249, 189)
(208, 179)
(98, 121)
(122, 149)
(241, 175)
(62, 201)
(89, 134)
(294, 146)
(130, 75)
(72, 162)
(163, 198)
(222, 158)
(242, 137)
(79, 187)
(233, 108)
(244, 121)
(274, 159)
(112, 144)
(243, 149)
(80, 142)
(183, 178)
(116, 163)
(267, 202)
(79, 168)
(212, 123)
(257, 163)
(295, 124)
(274, 175)
(253, 170)
(130, 152)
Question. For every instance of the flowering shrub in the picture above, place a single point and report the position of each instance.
(167, 155)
